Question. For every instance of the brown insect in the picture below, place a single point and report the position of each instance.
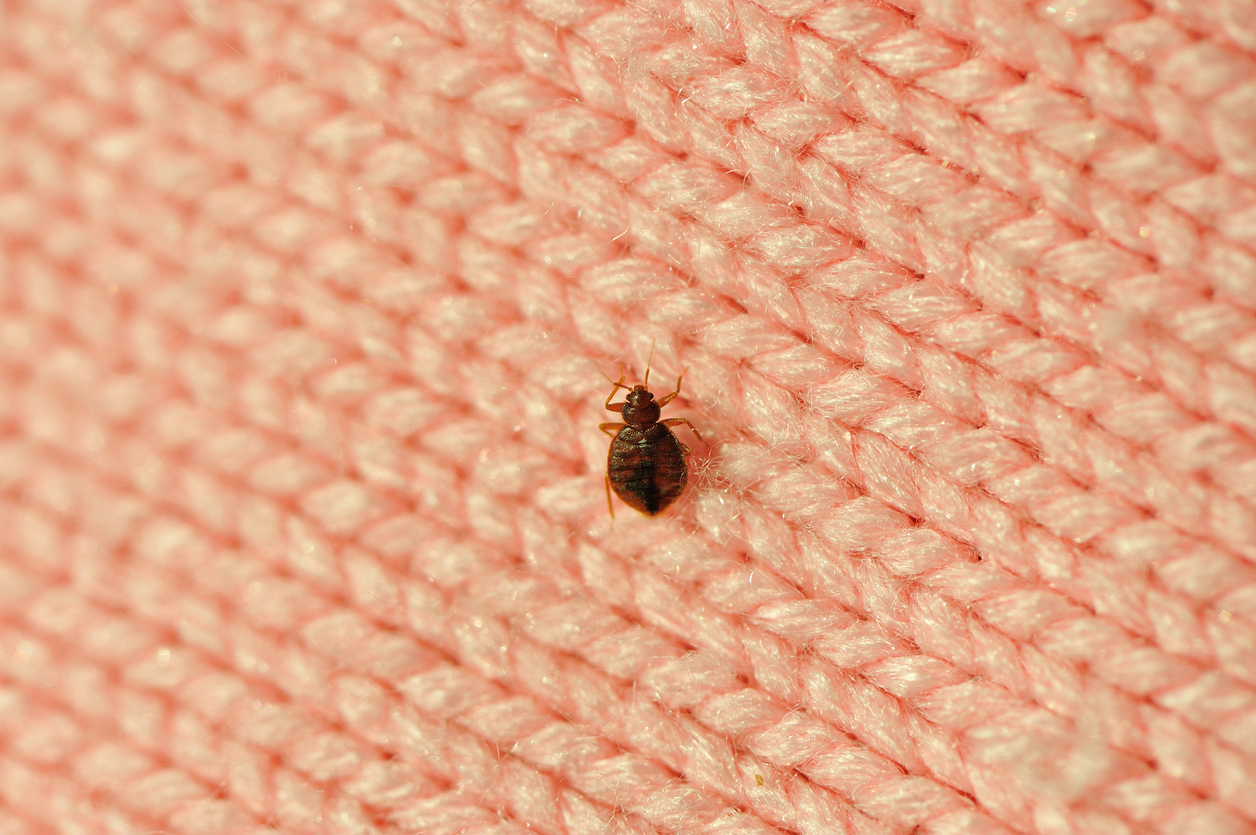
(646, 462)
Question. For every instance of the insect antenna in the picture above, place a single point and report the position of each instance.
(607, 376)
(646, 382)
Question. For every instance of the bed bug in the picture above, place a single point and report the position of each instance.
(645, 464)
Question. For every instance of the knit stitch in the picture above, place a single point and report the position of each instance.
(305, 311)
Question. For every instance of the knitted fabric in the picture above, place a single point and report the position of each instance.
(305, 312)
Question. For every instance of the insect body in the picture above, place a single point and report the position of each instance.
(646, 462)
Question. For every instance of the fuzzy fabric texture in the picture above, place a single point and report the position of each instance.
(307, 309)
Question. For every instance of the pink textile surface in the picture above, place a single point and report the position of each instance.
(305, 311)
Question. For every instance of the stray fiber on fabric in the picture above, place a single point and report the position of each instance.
(307, 309)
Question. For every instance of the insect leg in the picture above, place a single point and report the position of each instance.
(611, 429)
(678, 422)
(609, 506)
(668, 398)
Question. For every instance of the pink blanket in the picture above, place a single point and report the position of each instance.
(307, 310)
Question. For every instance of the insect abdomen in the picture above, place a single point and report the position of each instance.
(647, 468)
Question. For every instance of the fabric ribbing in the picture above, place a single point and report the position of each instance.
(302, 311)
